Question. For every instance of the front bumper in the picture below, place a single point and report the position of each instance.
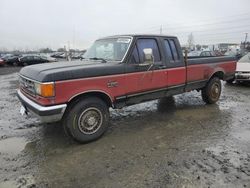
(242, 76)
(47, 114)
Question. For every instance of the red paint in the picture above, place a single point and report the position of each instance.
(176, 76)
(205, 71)
(144, 81)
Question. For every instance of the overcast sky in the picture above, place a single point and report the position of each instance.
(33, 24)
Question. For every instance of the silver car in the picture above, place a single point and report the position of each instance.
(243, 69)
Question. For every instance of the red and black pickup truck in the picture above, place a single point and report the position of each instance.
(117, 71)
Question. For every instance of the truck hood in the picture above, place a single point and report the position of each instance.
(243, 67)
(50, 72)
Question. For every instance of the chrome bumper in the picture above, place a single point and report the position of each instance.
(242, 76)
(46, 114)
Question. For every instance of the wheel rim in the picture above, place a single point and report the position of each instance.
(90, 120)
(215, 91)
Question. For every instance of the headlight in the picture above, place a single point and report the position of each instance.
(45, 89)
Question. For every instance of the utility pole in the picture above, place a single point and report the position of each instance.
(245, 42)
(69, 58)
(161, 29)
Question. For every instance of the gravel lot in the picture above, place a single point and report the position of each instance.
(167, 143)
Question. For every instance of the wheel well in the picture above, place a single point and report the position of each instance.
(218, 74)
(100, 95)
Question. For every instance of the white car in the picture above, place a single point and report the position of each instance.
(242, 72)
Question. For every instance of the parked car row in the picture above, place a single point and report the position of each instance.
(30, 59)
(23, 60)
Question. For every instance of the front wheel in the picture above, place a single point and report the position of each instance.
(87, 120)
(212, 91)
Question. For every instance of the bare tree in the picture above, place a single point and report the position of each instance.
(190, 40)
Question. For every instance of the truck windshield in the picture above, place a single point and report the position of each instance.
(109, 49)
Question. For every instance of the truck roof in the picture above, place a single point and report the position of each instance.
(139, 35)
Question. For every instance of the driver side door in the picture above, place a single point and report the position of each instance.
(145, 81)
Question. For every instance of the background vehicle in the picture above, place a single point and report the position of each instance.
(31, 60)
(218, 53)
(78, 55)
(50, 59)
(234, 52)
(117, 71)
(201, 53)
(11, 59)
(242, 73)
(2, 63)
(59, 55)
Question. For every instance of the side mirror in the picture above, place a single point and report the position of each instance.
(148, 56)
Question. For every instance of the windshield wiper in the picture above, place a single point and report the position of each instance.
(98, 58)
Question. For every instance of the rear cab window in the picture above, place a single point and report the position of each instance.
(171, 52)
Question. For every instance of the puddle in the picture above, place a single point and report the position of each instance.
(12, 145)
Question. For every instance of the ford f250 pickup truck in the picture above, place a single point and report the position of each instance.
(117, 71)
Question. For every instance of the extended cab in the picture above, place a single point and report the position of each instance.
(117, 71)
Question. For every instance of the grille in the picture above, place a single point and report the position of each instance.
(27, 85)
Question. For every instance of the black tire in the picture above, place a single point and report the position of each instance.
(212, 91)
(87, 119)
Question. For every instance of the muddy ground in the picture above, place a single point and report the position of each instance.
(179, 143)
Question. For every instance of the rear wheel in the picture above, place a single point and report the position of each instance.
(87, 119)
(212, 91)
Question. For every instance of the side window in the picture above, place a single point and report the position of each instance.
(148, 43)
(174, 50)
(171, 50)
(168, 50)
(135, 56)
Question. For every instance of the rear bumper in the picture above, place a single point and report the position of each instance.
(46, 114)
(242, 76)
